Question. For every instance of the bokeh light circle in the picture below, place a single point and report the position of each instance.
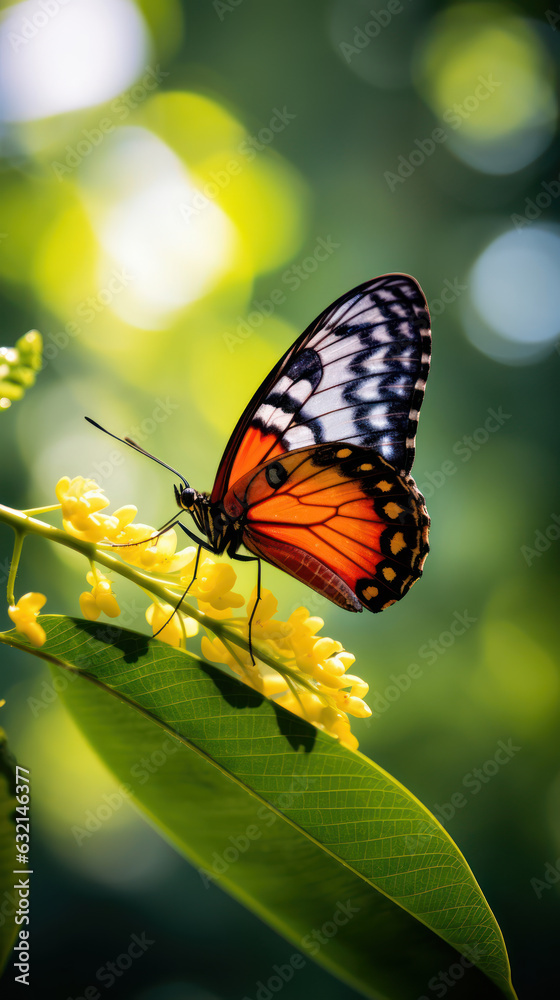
(490, 79)
(50, 55)
(168, 247)
(514, 285)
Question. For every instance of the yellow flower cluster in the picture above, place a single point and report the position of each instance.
(311, 679)
(83, 502)
(18, 367)
(24, 616)
(315, 683)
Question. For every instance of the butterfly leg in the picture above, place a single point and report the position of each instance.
(182, 598)
(258, 562)
(199, 541)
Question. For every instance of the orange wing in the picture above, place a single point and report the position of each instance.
(339, 518)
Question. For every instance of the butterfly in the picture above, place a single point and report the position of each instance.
(315, 478)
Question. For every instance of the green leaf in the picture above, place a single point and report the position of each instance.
(320, 842)
(7, 850)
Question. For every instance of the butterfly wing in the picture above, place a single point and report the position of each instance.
(357, 374)
(340, 519)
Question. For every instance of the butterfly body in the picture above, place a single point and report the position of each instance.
(315, 478)
(222, 531)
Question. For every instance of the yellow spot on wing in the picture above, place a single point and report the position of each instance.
(389, 573)
(397, 543)
(392, 509)
(367, 467)
(370, 592)
(383, 485)
(344, 453)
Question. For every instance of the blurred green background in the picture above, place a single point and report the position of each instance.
(184, 187)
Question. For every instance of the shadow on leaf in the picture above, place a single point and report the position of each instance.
(299, 733)
(132, 645)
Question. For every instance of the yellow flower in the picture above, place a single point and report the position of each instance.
(157, 555)
(359, 687)
(264, 625)
(214, 649)
(82, 501)
(100, 598)
(302, 631)
(24, 615)
(225, 614)
(160, 616)
(213, 585)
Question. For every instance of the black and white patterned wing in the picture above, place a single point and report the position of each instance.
(357, 374)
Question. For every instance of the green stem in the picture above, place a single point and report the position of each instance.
(41, 510)
(23, 524)
(18, 545)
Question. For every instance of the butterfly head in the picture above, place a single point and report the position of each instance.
(186, 497)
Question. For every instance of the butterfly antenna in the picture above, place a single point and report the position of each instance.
(138, 448)
(142, 451)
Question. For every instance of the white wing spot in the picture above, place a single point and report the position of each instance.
(298, 437)
(299, 391)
